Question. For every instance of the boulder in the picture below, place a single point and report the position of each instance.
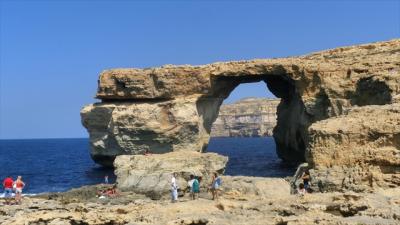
(151, 174)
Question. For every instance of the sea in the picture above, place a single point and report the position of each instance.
(56, 165)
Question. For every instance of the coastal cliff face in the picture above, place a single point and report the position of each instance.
(250, 117)
(172, 108)
(359, 150)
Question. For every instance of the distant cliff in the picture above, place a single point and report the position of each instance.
(249, 117)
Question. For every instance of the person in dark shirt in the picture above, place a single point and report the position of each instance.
(306, 180)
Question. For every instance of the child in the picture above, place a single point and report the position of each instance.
(301, 190)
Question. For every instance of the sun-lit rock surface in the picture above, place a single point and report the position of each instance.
(260, 201)
(359, 150)
(172, 108)
(151, 174)
(249, 117)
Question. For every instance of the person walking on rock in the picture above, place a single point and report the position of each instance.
(8, 186)
(174, 188)
(215, 186)
(19, 185)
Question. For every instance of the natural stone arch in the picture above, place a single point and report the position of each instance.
(290, 133)
(171, 108)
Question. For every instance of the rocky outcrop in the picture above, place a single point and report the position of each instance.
(172, 108)
(249, 117)
(151, 174)
(359, 150)
(132, 128)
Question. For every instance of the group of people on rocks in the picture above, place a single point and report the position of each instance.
(10, 187)
(108, 192)
(194, 187)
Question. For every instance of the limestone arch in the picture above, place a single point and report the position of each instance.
(290, 133)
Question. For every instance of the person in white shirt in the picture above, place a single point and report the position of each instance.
(174, 188)
(301, 190)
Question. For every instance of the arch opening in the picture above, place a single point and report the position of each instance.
(288, 138)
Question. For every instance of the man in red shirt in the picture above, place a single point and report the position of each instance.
(8, 186)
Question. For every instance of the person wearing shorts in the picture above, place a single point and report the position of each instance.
(19, 185)
(215, 186)
(8, 186)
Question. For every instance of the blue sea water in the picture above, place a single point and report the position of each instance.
(53, 165)
(251, 156)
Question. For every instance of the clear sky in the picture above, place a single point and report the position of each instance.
(52, 51)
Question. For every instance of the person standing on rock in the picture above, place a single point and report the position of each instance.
(190, 185)
(174, 188)
(193, 184)
(8, 186)
(196, 188)
(306, 180)
(215, 185)
(19, 185)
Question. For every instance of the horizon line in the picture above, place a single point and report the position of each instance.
(41, 138)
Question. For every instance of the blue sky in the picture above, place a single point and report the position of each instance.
(52, 51)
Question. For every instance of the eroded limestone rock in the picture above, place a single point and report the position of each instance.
(358, 150)
(129, 129)
(151, 174)
(172, 108)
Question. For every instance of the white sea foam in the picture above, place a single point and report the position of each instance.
(13, 195)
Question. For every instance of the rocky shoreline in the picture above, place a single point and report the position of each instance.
(339, 112)
(245, 200)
